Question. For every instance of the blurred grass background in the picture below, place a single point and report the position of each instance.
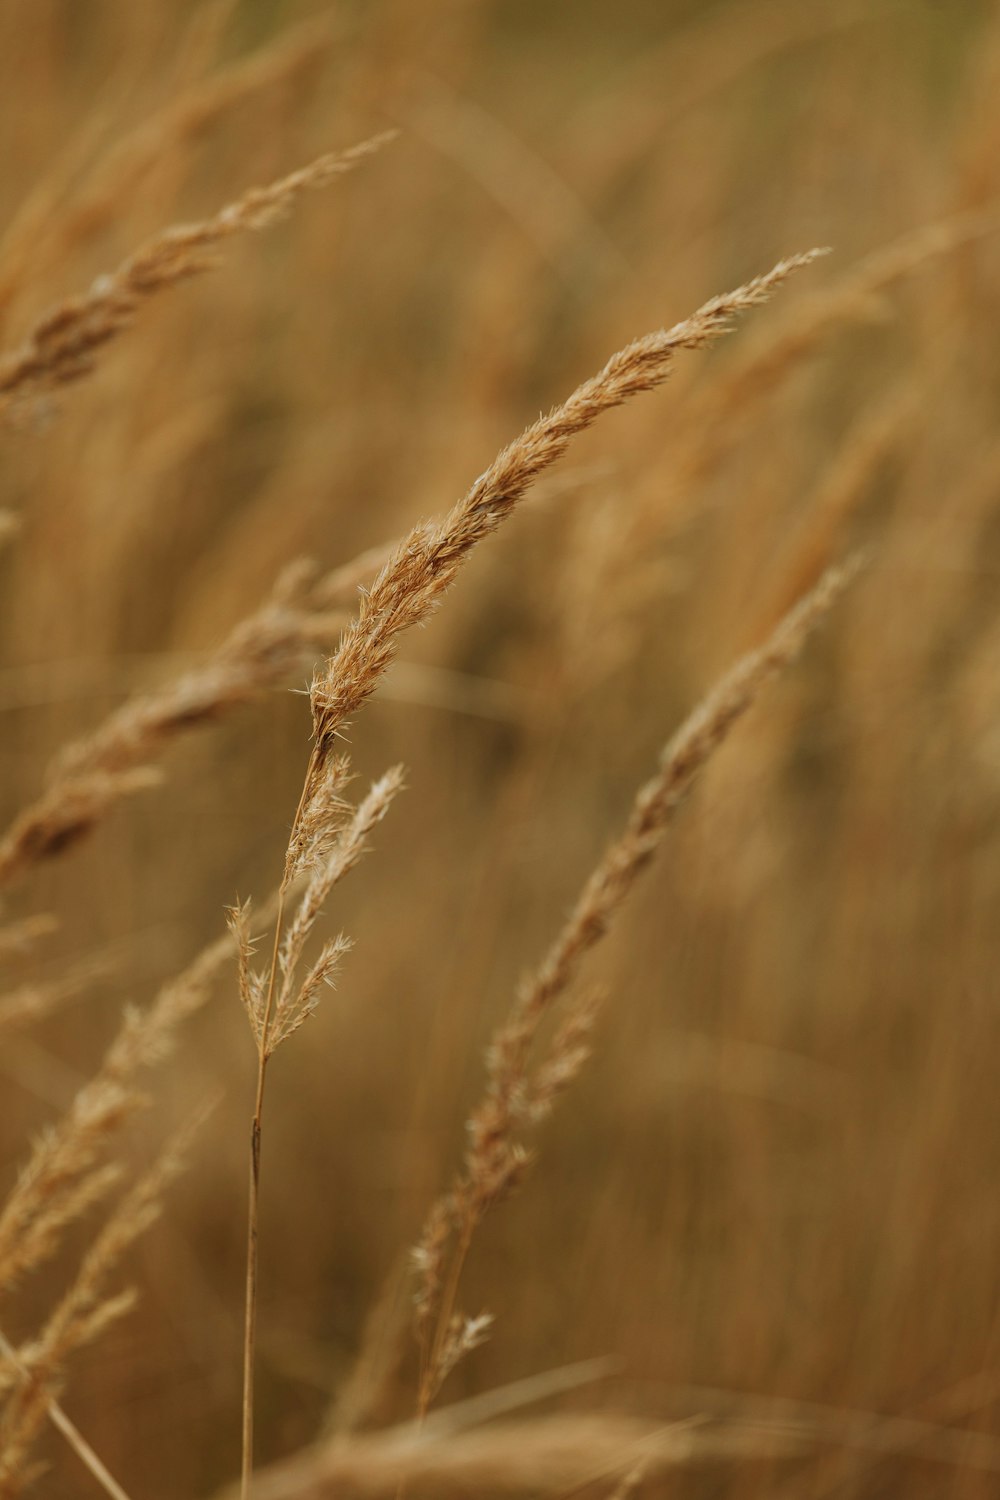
(778, 1177)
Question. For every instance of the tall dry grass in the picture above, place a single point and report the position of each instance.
(757, 1252)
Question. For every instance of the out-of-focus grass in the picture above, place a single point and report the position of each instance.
(777, 1177)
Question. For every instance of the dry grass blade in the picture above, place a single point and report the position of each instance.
(553, 1455)
(873, 1432)
(20, 936)
(66, 1427)
(63, 1175)
(517, 1094)
(810, 544)
(10, 525)
(262, 652)
(276, 1007)
(30, 1003)
(63, 345)
(45, 216)
(630, 1482)
(714, 417)
(86, 1310)
(96, 771)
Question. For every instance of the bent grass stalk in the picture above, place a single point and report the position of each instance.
(87, 1308)
(63, 1424)
(121, 756)
(518, 1095)
(63, 345)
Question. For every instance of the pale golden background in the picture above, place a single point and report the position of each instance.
(778, 1178)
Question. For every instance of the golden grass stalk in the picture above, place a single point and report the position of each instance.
(10, 525)
(20, 936)
(557, 1455)
(32, 1002)
(323, 848)
(865, 1431)
(63, 345)
(85, 1311)
(714, 416)
(45, 218)
(69, 1430)
(811, 542)
(519, 1094)
(566, 1453)
(631, 1480)
(93, 773)
(412, 583)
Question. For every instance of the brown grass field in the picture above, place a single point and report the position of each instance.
(645, 1139)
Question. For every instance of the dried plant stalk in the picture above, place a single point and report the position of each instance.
(322, 849)
(631, 1480)
(63, 345)
(32, 1002)
(86, 1310)
(10, 525)
(810, 543)
(517, 1094)
(714, 416)
(20, 936)
(558, 1455)
(67, 1428)
(46, 218)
